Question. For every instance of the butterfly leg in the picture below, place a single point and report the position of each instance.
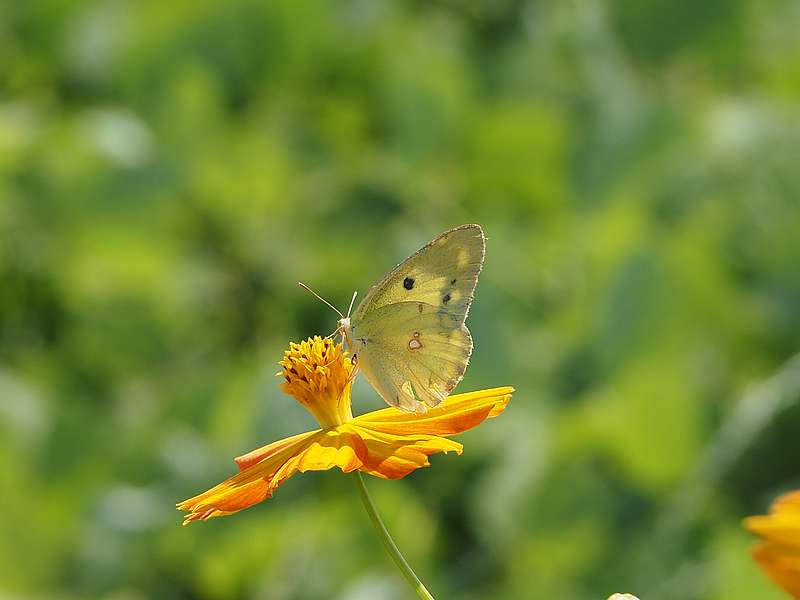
(350, 380)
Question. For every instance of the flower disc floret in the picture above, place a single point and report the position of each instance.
(319, 376)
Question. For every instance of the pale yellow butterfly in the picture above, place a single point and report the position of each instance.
(408, 335)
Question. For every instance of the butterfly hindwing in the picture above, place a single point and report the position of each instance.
(413, 353)
(409, 333)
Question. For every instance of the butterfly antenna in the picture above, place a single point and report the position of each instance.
(308, 289)
(352, 301)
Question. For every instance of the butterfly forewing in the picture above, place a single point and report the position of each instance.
(409, 332)
(441, 273)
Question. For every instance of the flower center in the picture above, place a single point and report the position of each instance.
(319, 376)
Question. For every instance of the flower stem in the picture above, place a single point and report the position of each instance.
(388, 542)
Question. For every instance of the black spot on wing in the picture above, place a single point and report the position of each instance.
(408, 283)
(446, 298)
(452, 282)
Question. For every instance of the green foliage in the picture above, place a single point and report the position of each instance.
(169, 170)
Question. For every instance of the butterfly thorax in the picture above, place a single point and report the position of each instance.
(352, 343)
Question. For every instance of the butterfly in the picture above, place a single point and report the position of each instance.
(408, 335)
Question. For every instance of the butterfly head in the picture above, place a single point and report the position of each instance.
(345, 328)
(353, 343)
(343, 325)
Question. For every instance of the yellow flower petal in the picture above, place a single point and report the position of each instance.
(256, 456)
(457, 413)
(250, 486)
(393, 456)
(313, 451)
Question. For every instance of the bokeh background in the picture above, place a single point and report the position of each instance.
(170, 170)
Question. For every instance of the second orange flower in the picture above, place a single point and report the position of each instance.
(779, 553)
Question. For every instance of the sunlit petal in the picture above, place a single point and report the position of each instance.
(256, 456)
(248, 487)
(394, 456)
(457, 413)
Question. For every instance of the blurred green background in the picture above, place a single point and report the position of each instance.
(170, 170)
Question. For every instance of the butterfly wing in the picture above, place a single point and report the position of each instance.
(409, 333)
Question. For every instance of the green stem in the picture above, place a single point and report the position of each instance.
(388, 542)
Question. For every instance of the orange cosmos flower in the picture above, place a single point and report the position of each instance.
(779, 553)
(385, 443)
